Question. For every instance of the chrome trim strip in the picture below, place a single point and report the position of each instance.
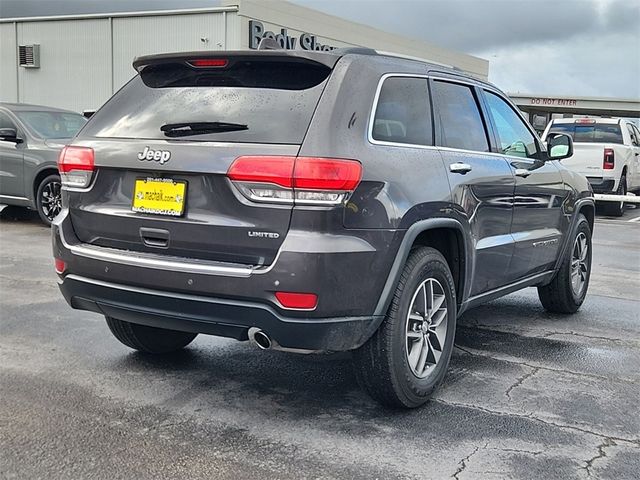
(11, 197)
(148, 260)
(145, 260)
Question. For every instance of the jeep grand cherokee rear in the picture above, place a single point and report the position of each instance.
(188, 207)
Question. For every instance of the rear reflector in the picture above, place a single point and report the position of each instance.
(608, 162)
(307, 180)
(76, 165)
(209, 62)
(60, 266)
(297, 301)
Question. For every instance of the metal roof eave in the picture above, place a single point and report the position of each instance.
(120, 14)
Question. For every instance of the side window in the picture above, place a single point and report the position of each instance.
(514, 137)
(461, 125)
(632, 134)
(637, 134)
(402, 113)
(6, 122)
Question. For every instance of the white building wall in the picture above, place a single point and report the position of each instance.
(8, 60)
(136, 36)
(233, 40)
(75, 63)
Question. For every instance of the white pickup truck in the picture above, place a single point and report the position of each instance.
(606, 151)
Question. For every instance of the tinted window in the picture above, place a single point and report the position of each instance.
(294, 74)
(402, 113)
(598, 133)
(52, 124)
(514, 137)
(567, 128)
(590, 132)
(274, 108)
(461, 125)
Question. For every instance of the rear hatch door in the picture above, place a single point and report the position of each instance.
(171, 134)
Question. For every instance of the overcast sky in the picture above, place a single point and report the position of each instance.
(562, 47)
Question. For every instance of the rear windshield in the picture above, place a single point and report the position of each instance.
(268, 102)
(590, 132)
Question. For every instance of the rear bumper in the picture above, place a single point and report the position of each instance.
(215, 316)
(602, 185)
(347, 272)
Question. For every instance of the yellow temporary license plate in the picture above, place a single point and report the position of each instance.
(159, 196)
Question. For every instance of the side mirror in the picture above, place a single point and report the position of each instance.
(9, 135)
(559, 146)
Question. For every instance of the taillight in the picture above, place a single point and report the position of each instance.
(297, 301)
(608, 163)
(60, 266)
(76, 166)
(303, 180)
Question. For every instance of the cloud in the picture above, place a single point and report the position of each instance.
(585, 67)
(572, 47)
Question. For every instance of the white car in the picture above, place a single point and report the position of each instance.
(606, 151)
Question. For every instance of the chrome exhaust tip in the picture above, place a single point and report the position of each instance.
(259, 338)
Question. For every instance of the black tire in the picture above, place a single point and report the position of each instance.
(616, 209)
(48, 198)
(560, 295)
(149, 339)
(383, 363)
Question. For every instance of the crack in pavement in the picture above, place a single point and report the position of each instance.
(608, 442)
(462, 464)
(516, 450)
(520, 380)
(476, 353)
(546, 334)
(635, 442)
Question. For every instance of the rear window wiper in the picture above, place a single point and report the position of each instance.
(200, 128)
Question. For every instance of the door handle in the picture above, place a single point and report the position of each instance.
(522, 172)
(462, 168)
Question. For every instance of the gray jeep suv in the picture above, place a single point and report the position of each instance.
(315, 202)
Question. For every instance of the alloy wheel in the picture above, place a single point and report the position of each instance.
(51, 200)
(579, 264)
(426, 327)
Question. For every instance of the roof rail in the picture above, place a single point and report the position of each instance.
(411, 57)
(356, 50)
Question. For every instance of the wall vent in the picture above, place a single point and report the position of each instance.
(29, 56)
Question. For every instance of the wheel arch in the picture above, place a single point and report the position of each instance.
(38, 178)
(587, 207)
(446, 235)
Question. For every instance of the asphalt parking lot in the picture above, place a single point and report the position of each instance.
(528, 394)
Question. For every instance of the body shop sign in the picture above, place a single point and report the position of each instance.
(306, 41)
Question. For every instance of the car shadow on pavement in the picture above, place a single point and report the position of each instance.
(240, 376)
(19, 215)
